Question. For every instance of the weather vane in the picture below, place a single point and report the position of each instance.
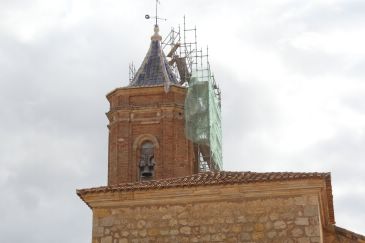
(147, 16)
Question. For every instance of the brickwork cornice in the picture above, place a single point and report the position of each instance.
(159, 112)
(145, 90)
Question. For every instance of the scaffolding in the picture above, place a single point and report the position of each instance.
(132, 71)
(203, 99)
(203, 121)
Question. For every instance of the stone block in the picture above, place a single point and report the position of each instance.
(107, 221)
(164, 231)
(245, 236)
(186, 230)
(274, 216)
(142, 232)
(300, 201)
(229, 220)
(236, 228)
(310, 210)
(141, 224)
(259, 227)
(98, 231)
(315, 239)
(241, 219)
(153, 231)
(268, 225)
(256, 236)
(205, 238)
(172, 222)
(203, 229)
(174, 232)
(217, 237)
(301, 221)
(100, 212)
(271, 234)
(303, 240)
(125, 233)
(247, 228)
(297, 232)
(280, 224)
(107, 239)
(312, 230)
(314, 220)
(183, 221)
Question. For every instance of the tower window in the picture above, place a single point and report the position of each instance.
(147, 161)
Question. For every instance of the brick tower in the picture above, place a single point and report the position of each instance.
(146, 124)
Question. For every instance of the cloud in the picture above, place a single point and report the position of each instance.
(291, 73)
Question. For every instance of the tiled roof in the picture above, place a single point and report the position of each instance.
(210, 178)
(349, 234)
(220, 178)
(155, 69)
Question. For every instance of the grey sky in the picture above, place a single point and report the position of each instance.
(292, 74)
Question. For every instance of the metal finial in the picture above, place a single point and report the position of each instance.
(147, 16)
(156, 16)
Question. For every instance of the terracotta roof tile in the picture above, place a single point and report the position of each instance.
(219, 178)
(209, 178)
(349, 234)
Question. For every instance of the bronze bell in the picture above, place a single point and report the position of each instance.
(146, 171)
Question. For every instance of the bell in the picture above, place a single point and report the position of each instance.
(146, 171)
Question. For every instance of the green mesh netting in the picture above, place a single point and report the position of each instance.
(203, 117)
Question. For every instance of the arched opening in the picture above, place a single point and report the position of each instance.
(147, 161)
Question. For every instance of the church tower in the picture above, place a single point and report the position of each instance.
(146, 124)
(165, 182)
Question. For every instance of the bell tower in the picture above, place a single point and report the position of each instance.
(146, 124)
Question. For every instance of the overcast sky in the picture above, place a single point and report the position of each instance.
(292, 73)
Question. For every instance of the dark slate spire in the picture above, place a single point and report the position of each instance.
(155, 69)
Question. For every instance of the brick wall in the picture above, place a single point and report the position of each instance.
(151, 114)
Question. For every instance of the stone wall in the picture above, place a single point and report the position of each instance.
(279, 219)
